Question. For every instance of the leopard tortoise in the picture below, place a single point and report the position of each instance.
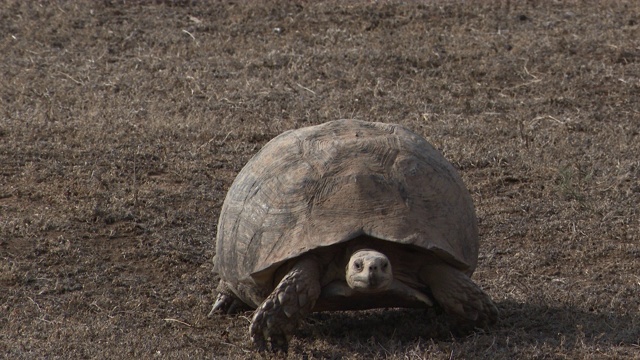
(347, 215)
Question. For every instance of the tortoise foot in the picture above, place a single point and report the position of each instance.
(227, 304)
(460, 297)
(279, 315)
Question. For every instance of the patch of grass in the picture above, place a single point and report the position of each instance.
(568, 184)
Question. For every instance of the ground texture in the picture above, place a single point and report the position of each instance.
(122, 124)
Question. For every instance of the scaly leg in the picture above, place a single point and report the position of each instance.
(459, 295)
(279, 315)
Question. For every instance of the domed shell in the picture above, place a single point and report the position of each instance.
(326, 184)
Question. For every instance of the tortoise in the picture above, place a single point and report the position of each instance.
(347, 215)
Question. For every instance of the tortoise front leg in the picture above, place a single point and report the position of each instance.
(279, 315)
(459, 296)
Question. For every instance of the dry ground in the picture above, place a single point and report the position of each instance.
(123, 123)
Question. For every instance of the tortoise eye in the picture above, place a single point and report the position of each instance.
(384, 266)
(358, 265)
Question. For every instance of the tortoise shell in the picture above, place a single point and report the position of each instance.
(322, 185)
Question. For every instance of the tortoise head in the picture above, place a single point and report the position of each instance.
(369, 271)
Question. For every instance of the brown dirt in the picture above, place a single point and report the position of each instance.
(122, 124)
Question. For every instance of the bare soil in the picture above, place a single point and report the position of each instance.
(123, 123)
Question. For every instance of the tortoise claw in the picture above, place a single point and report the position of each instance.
(226, 304)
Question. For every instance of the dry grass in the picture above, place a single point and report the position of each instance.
(122, 124)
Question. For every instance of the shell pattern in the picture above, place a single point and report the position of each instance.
(326, 184)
